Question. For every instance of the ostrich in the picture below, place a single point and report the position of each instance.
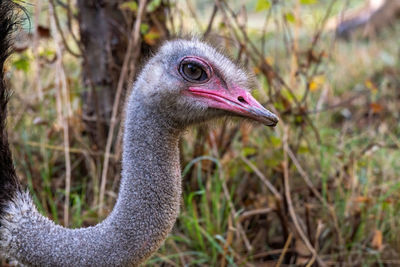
(185, 83)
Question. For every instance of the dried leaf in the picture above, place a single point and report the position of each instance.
(256, 70)
(362, 199)
(269, 60)
(316, 82)
(245, 131)
(152, 36)
(371, 86)
(377, 240)
(313, 86)
(376, 108)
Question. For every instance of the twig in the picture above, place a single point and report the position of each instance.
(233, 214)
(211, 21)
(273, 252)
(69, 23)
(170, 18)
(61, 80)
(263, 179)
(165, 259)
(251, 213)
(132, 45)
(85, 152)
(265, 67)
(316, 38)
(264, 32)
(238, 225)
(284, 250)
(193, 13)
(311, 186)
(289, 199)
(160, 26)
(35, 50)
(228, 241)
(61, 34)
(179, 252)
(304, 175)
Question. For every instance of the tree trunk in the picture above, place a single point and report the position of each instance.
(104, 30)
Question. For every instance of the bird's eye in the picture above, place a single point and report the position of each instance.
(193, 72)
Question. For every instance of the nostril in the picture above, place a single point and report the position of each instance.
(241, 99)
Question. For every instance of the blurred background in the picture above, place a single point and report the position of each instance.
(321, 189)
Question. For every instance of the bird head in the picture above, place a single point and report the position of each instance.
(193, 82)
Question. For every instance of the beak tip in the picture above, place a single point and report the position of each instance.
(272, 120)
(272, 123)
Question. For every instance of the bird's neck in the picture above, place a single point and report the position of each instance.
(150, 190)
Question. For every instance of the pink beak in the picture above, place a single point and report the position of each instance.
(238, 101)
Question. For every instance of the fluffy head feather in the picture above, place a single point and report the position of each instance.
(162, 85)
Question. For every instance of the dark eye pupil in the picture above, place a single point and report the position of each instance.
(194, 72)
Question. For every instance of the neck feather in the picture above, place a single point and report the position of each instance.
(146, 208)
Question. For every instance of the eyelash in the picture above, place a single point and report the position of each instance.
(206, 70)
